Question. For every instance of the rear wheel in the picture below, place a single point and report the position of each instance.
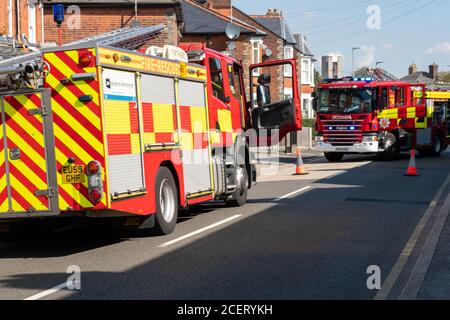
(166, 202)
(437, 146)
(239, 197)
(334, 156)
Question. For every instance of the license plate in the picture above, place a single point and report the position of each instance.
(72, 174)
(342, 149)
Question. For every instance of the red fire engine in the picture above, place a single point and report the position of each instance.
(97, 128)
(360, 115)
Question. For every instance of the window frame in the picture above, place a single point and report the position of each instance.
(306, 69)
(222, 99)
(259, 43)
(287, 68)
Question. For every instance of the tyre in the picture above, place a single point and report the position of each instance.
(437, 146)
(334, 156)
(239, 197)
(391, 148)
(166, 202)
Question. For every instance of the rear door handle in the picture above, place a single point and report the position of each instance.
(14, 153)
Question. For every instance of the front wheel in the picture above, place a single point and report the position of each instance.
(239, 197)
(391, 148)
(166, 202)
(334, 156)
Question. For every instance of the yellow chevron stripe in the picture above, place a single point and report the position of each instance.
(68, 72)
(37, 158)
(71, 144)
(3, 183)
(4, 207)
(25, 147)
(27, 104)
(73, 100)
(16, 205)
(25, 124)
(26, 194)
(30, 174)
(74, 124)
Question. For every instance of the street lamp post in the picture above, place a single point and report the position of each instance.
(353, 60)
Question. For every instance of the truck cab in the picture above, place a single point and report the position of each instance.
(360, 115)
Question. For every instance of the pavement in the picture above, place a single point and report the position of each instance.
(299, 237)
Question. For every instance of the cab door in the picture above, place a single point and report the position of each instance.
(272, 110)
(220, 99)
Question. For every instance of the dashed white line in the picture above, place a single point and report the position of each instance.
(292, 193)
(48, 292)
(194, 233)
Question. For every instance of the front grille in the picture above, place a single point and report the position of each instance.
(341, 133)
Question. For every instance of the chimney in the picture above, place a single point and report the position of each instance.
(434, 69)
(274, 13)
(412, 69)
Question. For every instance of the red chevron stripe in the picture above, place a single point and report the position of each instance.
(75, 90)
(81, 141)
(75, 67)
(29, 185)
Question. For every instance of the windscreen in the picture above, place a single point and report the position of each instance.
(346, 100)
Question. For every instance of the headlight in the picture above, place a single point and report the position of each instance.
(370, 138)
(319, 138)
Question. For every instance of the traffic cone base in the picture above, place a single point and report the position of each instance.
(412, 168)
(300, 167)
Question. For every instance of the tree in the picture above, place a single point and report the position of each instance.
(317, 77)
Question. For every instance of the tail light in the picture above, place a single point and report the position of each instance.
(95, 183)
(85, 59)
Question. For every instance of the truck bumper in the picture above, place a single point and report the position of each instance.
(363, 147)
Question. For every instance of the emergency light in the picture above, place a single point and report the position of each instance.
(58, 13)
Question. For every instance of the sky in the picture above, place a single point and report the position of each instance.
(397, 32)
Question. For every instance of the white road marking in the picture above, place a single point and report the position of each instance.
(48, 292)
(410, 245)
(292, 193)
(194, 233)
(417, 277)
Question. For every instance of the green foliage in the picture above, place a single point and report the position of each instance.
(308, 123)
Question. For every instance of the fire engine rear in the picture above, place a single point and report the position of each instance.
(98, 128)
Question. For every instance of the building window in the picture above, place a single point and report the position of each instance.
(288, 54)
(256, 54)
(305, 108)
(215, 69)
(306, 71)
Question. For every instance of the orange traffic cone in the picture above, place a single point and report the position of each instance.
(412, 169)
(300, 167)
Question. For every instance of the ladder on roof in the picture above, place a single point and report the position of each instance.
(379, 74)
(125, 38)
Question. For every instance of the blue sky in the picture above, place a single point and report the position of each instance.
(410, 30)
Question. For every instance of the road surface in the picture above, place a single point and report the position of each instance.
(307, 237)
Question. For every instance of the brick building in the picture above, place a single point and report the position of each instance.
(18, 17)
(263, 37)
(89, 17)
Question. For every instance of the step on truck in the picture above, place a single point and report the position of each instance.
(103, 129)
(363, 116)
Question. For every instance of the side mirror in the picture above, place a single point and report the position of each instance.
(227, 99)
(314, 104)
